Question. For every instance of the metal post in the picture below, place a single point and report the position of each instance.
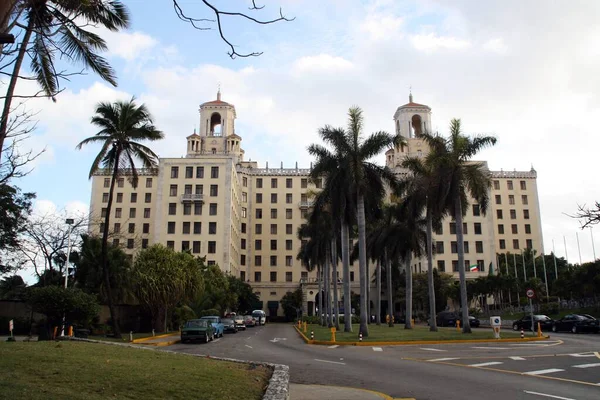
(545, 276)
(578, 248)
(566, 255)
(555, 268)
(593, 247)
(508, 274)
(533, 261)
(517, 279)
(524, 269)
(531, 311)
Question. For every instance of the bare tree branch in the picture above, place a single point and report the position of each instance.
(587, 216)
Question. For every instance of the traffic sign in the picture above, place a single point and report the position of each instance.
(530, 293)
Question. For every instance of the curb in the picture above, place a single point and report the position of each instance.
(145, 339)
(418, 342)
(279, 383)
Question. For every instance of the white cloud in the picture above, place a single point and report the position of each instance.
(431, 42)
(129, 46)
(496, 45)
(321, 62)
(382, 26)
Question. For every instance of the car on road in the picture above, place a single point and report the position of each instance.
(474, 322)
(197, 329)
(576, 323)
(249, 320)
(261, 317)
(215, 320)
(525, 322)
(229, 325)
(240, 324)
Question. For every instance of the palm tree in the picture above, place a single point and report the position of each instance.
(123, 125)
(463, 178)
(353, 154)
(57, 28)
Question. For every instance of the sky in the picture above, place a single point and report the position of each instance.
(525, 72)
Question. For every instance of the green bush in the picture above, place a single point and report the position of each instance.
(549, 309)
(182, 314)
(210, 311)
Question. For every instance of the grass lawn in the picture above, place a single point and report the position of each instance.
(398, 333)
(78, 370)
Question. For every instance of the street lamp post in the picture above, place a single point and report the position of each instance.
(69, 222)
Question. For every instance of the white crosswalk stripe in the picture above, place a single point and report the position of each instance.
(491, 348)
(428, 349)
(582, 355)
(517, 358)
(444, 359)
(587, 365)
(333, 346)
(543, 371)
(486, 364)
(377, 349)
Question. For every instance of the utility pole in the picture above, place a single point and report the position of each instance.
(69, 222)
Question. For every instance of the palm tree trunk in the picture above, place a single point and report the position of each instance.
(321, 302)
(104, 253)
(368, 293)
(378, 272)
(336, 308)
(460, 241)
(390, 296)
(432, 313)
(328, 317)
(409, 290)
(362, 264)
(346, 276)
(10, 91)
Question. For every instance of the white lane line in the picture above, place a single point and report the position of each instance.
(443, 359)
(377, 349)
(491, 348)
(543, 371)
(331, 362)
(249, 346)
(485, 364)
(582, 355)
(587, 365)
(548, 395)
(428, 349)
(517, 358)
(333, 346)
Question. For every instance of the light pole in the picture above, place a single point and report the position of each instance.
(69, 222)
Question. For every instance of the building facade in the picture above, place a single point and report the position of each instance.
(244, 218)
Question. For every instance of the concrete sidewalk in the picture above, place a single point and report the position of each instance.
(312, 392)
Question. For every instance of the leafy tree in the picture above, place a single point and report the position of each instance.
(50, 28)
(245, 298)
(12, 288)
(56, 301)
(216, 293)
(123, 125)
(163, 278)
(291, 302)
(15, 208)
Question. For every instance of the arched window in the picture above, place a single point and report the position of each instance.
(417, 125)
(215, 124)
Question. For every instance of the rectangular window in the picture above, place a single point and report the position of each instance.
(257, 261)
(288, 213)
(288, 198)
(172, 208)
(148, 182)
(259, 182)
(527, 228)
(244, 212)
(133, 198)
(214, 172)
(145, 228)
(148, 197)
(498, 199)
(196, 246)
(120, 182)
(273, 276)
(273, 244)
(480, 265)
(351, 276)
(185, 228)
(288, 244)
(274, 213)
(118, 212)
(273, 183)
(117, 228)
(467, 265)
(509, 184)
(101, 230)
(513, 214)
(199, 189)
(131, 228)
(197, 208)
(187, 209)
(466, 247)
(144, 243)
(170, 244)
(173, 190)
(526, 214)
(496, 185)
(454, 265)
(273, 261)
(189, 172)
(243, 244)
(514, 229)
(171, 227)
(132, 213)
(212, 228)
(273, 198)
(258, 229)
(259, 197)
(245, 181)
(511, 199)
(440, 231)
(200, 172)
(116, 242)
(479, 246)
(529, 243)
(212, 247)
(214, 190)
(130, 243)
(499, 214)
(242, 260)
(185, 245)
(477, 228)
(288, 229)
(501, 229)
(258, 244)
(476, 210)
(453, 247)
(187, 189)
(273, 229)
(105, 197)
(212, 209)
(304, 183)
(106, 182)
(523, 185)
(174, 172)
(516, 244)
(257, 276)
(243, 227)
(319, 183)
(453, 228)
(441, 266)
(502, 244)
(244, 197)
(524, 199)
(197, 228)
(146, 213)
(288, 261)
(288, 183)
(439, 247)
(288, 276)
(119, 197)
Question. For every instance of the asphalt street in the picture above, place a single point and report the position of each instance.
(566, 367)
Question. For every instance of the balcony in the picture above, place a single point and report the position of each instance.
(192, 198)
(306, 204)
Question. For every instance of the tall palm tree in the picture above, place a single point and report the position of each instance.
(464, 178)
(123, 125)
(354, 154)
(56, 27)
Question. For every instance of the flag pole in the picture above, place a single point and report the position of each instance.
(566, 255)
(524, 269)
(593, 246)
(533, 261)
(545, 276)
(517, 279)
(554, 254)
(578, 247)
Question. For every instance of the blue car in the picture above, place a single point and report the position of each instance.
(216, 323)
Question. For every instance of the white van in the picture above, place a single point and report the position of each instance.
(261, 317)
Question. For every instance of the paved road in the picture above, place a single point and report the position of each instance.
(567, 367)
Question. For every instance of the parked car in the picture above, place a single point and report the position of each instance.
(249, 320)
(474, 322)
(197, 329)
(525, 322)
(261, 317)
(229, 325)
(446, 318)
(239, 322)
(216, 323)
(576, 323)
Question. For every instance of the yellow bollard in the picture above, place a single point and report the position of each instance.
(333, 334)
(412, 323)
(458, 324)
(71, 331)
(539, 330)
(304, 326)
(387, 318)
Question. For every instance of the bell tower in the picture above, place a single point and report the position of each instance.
(217, 118)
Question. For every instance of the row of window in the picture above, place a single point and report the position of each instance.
(189, 172)
(476, 229)
(439, 247)
(186, 228)
(121, 182)
(132, 213)
(272, 276)
(514, 229)
(288, 198)
(515, 242)
(441, 265)
(511, 199)
(187, 208)
(513, 214)
(133, 198)
(288, 183)
(130, 243)
(199, 189)
(509, 185)
(130, 228)
(289, 261)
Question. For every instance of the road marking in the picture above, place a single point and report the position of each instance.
(517, 358)
(331, 362)
(277, 339)
(582, 355)
(333, 346)
(543, 371)
(428, 349)
(443, 359)
(597, 354)
(485, 364)
(377, 349)
(547, 395)
(249, 346)
(587, 365)
(491, 348)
